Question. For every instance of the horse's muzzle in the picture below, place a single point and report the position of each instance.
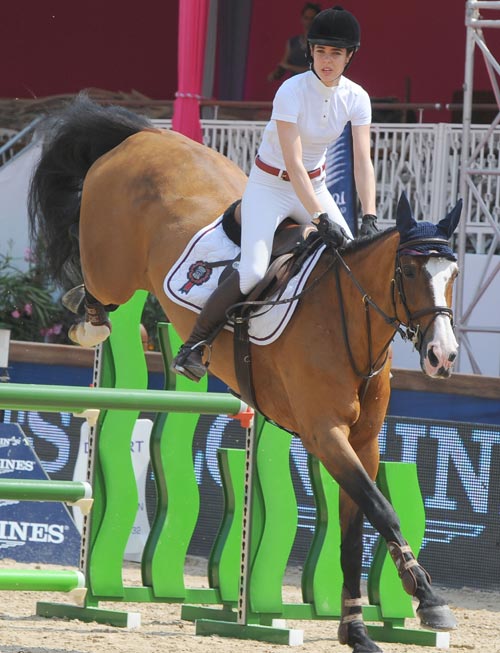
(437, 362)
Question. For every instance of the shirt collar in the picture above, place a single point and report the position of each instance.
(321, 88)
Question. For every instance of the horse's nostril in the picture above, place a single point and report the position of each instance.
(432, 357)
(452, 357)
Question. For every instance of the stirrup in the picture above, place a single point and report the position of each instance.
(191, 369)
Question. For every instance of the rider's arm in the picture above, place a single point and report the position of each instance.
(291, 147)
(364, 174)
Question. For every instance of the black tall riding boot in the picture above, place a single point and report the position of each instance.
(189, 360)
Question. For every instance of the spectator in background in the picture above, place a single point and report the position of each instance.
(294, 59)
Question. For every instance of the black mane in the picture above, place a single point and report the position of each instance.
(360, 243)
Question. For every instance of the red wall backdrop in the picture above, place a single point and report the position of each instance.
(62, 46)
(57, 46)
(423, 43)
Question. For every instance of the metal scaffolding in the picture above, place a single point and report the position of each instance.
(479, 178)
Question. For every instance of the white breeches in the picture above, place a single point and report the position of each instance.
(266, 202)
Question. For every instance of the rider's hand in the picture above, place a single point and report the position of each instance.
(368, 225)
(331, 232)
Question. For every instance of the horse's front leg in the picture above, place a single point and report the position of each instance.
(340, 459)
(352, 630)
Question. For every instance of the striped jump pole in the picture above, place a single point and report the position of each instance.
(74, 493)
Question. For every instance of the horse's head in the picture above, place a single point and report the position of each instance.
(425, 273)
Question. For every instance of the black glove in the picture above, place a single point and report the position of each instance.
(368, 225)
(331, 232)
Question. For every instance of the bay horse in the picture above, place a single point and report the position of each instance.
(119, 199)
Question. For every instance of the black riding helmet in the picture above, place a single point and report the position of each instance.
(336, 27)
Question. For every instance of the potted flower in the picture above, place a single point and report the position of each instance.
(29, 306)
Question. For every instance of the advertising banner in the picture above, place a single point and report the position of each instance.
(456, 465)
(32, 531)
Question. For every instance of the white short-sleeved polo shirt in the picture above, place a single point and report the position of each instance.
(321, 113)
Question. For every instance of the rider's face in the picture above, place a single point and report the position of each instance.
(329, 63)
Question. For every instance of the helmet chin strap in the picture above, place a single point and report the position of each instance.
(350, 60)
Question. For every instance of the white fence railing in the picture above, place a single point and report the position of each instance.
(421, 159)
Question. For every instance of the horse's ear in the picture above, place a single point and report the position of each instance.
(449, 224)
(404, 217)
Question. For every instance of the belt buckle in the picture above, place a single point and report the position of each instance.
(283, 174)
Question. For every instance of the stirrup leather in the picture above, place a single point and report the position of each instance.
(405, 566)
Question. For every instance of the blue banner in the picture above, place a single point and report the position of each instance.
(340, 177)
(32, 531)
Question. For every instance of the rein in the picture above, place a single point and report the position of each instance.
(367, 301)
(232, 312)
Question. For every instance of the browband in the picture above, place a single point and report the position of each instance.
(423, 241)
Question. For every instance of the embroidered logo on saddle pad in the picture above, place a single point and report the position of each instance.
(198, 274)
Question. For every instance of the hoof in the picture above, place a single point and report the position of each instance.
(366, 648)
(87, 335)
(437, 617)
(356, 635)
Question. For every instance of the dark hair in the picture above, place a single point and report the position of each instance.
(310, 5)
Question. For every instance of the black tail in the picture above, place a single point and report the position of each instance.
(72, 141)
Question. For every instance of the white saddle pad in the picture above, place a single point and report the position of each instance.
(190, 281)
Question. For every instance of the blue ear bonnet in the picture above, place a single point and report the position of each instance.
(425, 238)
(424, 231)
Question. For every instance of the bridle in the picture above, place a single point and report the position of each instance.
(409, 329)
(413, 331)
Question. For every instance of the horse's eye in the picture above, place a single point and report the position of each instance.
(409, 271)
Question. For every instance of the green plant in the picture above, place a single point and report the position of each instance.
(29, 306)
(151, 315)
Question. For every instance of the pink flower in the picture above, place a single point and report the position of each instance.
(16, 314)
(28, 309)
(29, 255)
(56, 329)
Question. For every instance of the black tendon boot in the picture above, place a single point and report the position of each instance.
(189, 360)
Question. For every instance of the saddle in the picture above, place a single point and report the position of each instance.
(293, 244)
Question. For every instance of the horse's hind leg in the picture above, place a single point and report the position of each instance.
(95, 327)
(340, 459)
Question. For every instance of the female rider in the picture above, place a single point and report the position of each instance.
(310, 111)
